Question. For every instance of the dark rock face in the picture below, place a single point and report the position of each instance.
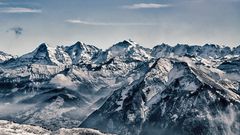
(116, 120)
(196, 113)
(231, 66)
(122, 112)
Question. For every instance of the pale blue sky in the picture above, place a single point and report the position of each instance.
(24, 24)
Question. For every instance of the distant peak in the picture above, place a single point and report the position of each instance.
(79, 43)
(130, 42)
(43, 48)
(161, 46)
(164, 44)
(43, 45)
(125, 44)
(41, 51)
(213, 45)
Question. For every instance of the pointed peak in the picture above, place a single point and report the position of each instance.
(41, 51)
(79, 43)
(164, 44)
(42, 47)
(125, 44)
(130, 42)
(83, 45)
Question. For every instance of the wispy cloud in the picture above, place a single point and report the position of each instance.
(17, 31)
(146, 6)
(76, 21)
(19, 10)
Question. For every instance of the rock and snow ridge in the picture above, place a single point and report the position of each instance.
(83, 53)
(126, 89)
(4, 56)
(162, 106)
(11, 128)
(205, 51)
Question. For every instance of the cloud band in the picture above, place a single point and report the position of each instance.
(146, 6)
(19, 10)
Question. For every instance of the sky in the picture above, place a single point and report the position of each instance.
(24, 24)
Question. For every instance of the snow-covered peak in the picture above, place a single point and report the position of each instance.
(205, 51)
(130, 42)
(162, 50)
(121, 47)
(4, 56)
(43, 55)
(43, 47)
(40, 51)
(128, 49)
(81, 52)
(83, 46)
(214, 51)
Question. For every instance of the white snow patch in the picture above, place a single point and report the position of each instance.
(174, 117)
(61, 80)
(131, 117)
(53, 110)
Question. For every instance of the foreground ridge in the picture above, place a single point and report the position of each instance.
(10, 128)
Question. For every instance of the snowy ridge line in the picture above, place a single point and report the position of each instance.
(162, 50)
(11, 128)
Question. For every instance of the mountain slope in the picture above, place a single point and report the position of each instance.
(194, 107)
(125, 89)
(82, 53)
(180, 96)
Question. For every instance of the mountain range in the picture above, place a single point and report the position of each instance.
(126, 89)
